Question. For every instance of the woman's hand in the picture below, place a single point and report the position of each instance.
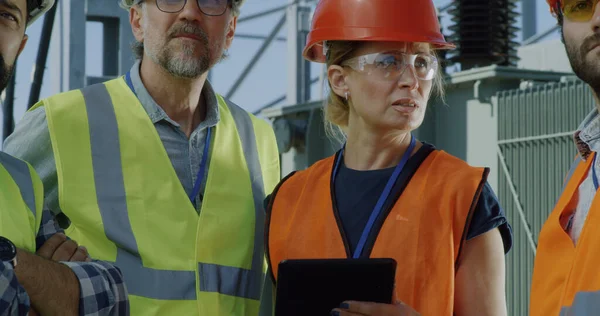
(352, 308)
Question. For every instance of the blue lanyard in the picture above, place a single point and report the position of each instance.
(202, 171)
(594, 176)
(382, 198)
(200, 176)
(129, 82)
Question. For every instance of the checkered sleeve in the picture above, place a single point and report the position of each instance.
(101, 285)
(102, 289)
(13, 298)
(48, 227)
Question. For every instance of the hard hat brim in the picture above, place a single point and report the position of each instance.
(39, 11)
(314, 48)
(407, 21)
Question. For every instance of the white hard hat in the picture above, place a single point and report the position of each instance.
(42, 7)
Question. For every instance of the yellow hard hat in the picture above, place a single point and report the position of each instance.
(127, 4)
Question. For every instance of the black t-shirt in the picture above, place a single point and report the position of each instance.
(357, 192)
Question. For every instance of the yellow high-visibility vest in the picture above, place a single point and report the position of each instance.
(21, 202)
(125, 202)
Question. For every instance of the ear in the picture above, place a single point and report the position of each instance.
(230, 32)
(23, 43)
(337, 80)
(135, 19)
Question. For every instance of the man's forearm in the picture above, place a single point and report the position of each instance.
(52, 287)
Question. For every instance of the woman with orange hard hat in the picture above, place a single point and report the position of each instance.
(386, 194)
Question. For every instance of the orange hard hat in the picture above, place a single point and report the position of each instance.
(553, 6)
(373, 20)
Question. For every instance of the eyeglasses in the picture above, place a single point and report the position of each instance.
(578, 10)
(391, 66)
(208, 7)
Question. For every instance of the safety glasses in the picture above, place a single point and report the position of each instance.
(578, 10)
(208, 7)
(391, 66)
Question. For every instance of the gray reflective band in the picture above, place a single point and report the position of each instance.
(266, 299)
(584, 304)
(152, 283)
(112, 202)
(236, 281)
(19, 172)
(229, 280)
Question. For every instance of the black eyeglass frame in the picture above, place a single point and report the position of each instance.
(228, 4)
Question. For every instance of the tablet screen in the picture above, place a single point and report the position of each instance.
(316, 286)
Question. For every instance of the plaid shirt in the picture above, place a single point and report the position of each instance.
(101, 285)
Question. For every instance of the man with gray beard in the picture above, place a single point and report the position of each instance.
(156, 172)
(565, 277)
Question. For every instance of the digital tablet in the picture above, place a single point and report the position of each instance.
(316, 286)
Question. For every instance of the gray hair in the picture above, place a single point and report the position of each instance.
(236, 5)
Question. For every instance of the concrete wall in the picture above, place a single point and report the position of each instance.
(546, 56)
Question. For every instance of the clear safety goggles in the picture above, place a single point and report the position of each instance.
(391, 66)
(578, 10)
(208, 7)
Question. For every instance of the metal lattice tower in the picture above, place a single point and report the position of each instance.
(68, 52)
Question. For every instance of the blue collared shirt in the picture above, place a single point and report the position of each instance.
(587, 139)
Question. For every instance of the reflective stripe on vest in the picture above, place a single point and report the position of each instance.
(177, 284)
(104, 138)
(231, 278)
(20, 202)
(19, 171)
(225, 266)
(585, 304)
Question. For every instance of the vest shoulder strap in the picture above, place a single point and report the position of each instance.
(21, 174)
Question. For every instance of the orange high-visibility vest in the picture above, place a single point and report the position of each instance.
(424, 231)
(566, 278)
